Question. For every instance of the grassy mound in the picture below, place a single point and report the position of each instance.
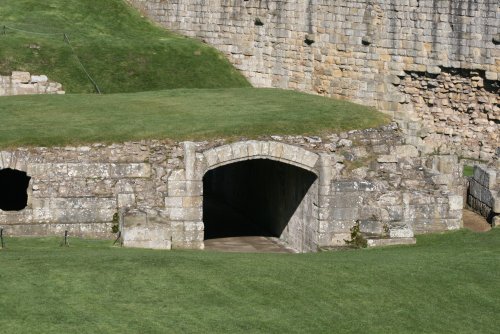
(122, 51)
(447, 283)
(176, 114)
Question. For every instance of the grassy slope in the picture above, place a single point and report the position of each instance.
(121, 50)
(175, 114)
(447, 283)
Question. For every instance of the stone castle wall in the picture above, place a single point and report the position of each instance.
(363, 50)
(156, 187)
(23, 83)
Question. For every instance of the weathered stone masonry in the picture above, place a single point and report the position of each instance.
(23, 83)
(157, 188)
(363, 50)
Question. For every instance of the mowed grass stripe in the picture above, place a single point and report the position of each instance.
(182, 114)
(447, 283)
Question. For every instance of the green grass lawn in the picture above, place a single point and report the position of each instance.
(447, 283)
(468, 170)
(176, 114)
(122, 51)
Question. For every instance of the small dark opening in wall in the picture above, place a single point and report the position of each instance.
(309, 41)
(13, 189)
(258, 22)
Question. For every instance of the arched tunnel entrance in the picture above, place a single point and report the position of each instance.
(13, 189)
(261, 197)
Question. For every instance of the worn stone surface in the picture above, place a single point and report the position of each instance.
(23, 83)
(433, 65)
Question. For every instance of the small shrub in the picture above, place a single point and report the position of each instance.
(357, 239)
(386, 230)
(115, 228)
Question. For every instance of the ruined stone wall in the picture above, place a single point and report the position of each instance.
(23, 83)
(484, 193)
(362, 50)
(156, 187)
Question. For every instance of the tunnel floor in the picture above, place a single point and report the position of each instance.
(251, 244)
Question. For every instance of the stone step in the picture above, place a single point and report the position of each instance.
(379, 242)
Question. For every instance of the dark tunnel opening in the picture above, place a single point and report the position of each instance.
(13, 189)
(252, 198)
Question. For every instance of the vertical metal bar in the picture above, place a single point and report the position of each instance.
(66, 238)
(2, 243)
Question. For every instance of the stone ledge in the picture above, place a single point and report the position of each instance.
(391, 242)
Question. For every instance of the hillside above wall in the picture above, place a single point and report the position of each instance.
(106, 39)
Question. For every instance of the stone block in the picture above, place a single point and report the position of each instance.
(192, 202)
(39, 78)
(443, 179)
(342, 214)
(404, 151)
(5, 159)
(140, 232)
(173, 202)
(496, 203)
(387, 158)
(91, 171)
(47, 170)
(254, 148)
(184, 188)
(495, 222)
(291, 153)
(125, 200)
(275, 149)
(433, 69)
(372, 227)
(493, 76)
(189, 160)
(456, 202)
(395, 212)
(240, 150)
(453, 224)
(484, 176)
(177, 175)
(211, 157)
(265, 146)
(400, 232)
(194, 226)
(392, 198)
(344, 186)
(130, 170)
(446, 164)
(21, 77)
(349, 200)
(184, 214)
(391, 242)
(224, 153)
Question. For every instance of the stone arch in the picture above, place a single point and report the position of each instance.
(286, 176)
(252, 149)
